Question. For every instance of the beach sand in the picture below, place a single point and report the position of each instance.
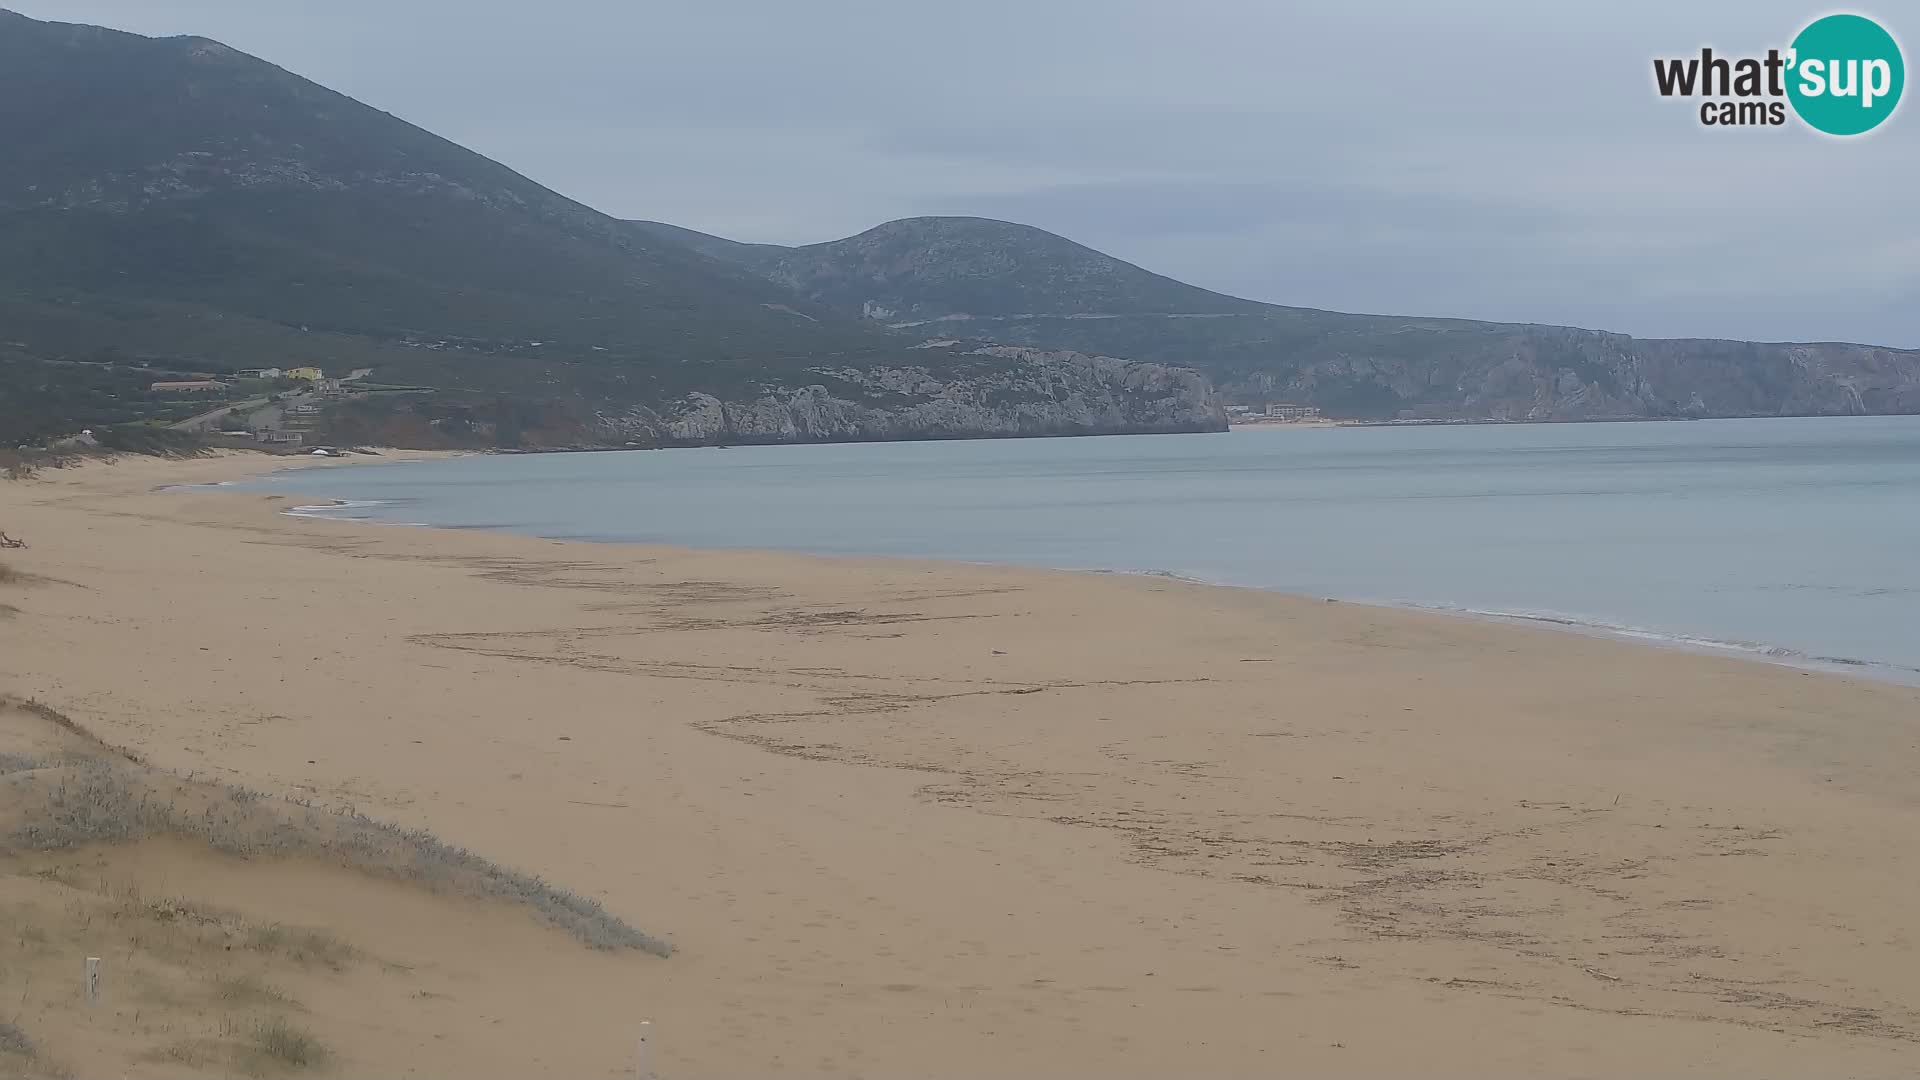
(930, 820)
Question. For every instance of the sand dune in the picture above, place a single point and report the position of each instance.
(228, 933)
(907, 819)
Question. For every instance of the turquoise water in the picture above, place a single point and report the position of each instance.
(1797, 538)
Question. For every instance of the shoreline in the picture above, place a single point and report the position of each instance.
(1681, 641)
(884, 806)
(1693, 645)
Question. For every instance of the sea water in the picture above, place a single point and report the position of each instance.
(1792, 538)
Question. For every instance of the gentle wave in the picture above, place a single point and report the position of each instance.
(210, 485)
(335, 508)
(1776, 653)
(1170, 575)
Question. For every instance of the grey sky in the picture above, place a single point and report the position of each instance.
(1501, 159)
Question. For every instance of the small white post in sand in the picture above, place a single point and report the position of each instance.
(643, 1051)
(93, 980)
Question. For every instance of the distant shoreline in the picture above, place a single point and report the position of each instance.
(1493, 421)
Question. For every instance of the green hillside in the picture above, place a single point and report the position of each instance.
(974, 277)
(178, 202)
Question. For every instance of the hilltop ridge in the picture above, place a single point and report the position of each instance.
(179, 202)
(1014, 283)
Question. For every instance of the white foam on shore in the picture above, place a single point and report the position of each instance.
(1776, 654)
(211, 485)
(1779, 654)
(1171, 575)
(337, 508)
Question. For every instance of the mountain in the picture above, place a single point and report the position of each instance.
(176, 201)
(172, 208)
(926, 269)
(973, 277)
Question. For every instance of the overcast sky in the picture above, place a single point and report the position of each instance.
(1502, 159)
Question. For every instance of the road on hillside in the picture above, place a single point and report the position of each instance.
(206, 421)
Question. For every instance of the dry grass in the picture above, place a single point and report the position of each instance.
(242, 991)
(208, 990)
(21, 1057)
(283, 1043)
(188, 966)
(14, 1042)
(89, 743)
(106, 796)
(102, 802)
(14, 578)
(273, 1046)
(23, 464)
(303, 945)
(195, 1054)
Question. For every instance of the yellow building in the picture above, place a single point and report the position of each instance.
(311, 374)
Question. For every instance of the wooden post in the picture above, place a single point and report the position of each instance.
(643, 1051)
(93, 980)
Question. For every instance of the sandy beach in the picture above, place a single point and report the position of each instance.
(903, 819)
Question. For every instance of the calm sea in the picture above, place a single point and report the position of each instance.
(1795, 538)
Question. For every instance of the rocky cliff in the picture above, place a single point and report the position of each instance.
(981, 391)
(1381, 367)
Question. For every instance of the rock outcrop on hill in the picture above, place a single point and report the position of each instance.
(1011, 392)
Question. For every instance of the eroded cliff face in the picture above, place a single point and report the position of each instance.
(983, 392)
(1552, 373)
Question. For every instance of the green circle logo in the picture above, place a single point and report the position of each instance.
(1845, 75)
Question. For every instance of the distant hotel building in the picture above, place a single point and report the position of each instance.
(186, 386)
(1293, 412)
